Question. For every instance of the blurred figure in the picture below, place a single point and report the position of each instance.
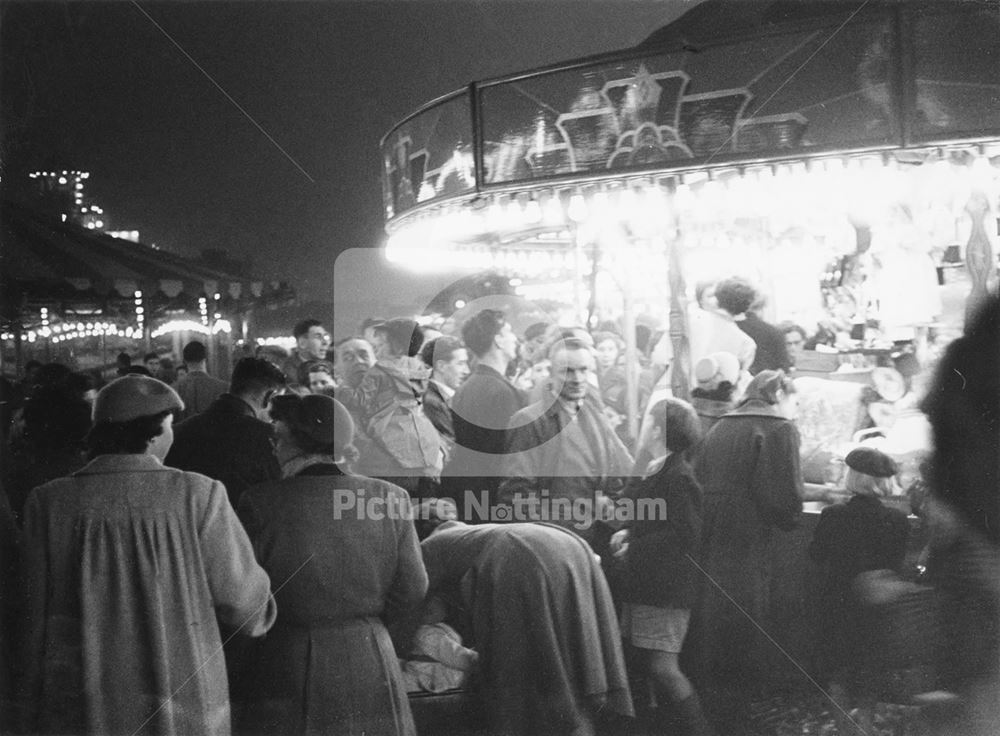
(860, 536)
(716, 376)
(795, 340)
(152, 362)
(127, 565)
(963, 406)
(312, 341)
(328, 665)
(534, 342)
(748, 467)
(713, 327)
(123, 361)
(198, 389)
(320, 376)
(542, 620)
(52, 443)
(232, 441)
(660, 578)
(449, 364)
(771, 353)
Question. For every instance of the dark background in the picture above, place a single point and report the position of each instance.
(96, 86)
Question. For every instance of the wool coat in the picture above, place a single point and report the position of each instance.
(343, 553)
(659, 566)
(128, 565)
(748, 468)
(543, 623)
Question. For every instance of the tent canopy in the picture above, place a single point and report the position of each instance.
(44, 261)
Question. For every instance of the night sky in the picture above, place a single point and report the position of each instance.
(98, 87)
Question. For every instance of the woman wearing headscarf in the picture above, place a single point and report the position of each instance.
(748, 467)
(129, 567)
(346, 550)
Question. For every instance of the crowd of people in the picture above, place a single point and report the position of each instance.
(463, 508)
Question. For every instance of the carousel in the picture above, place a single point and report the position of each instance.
(839, 156)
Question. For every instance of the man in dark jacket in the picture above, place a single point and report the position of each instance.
(230, 441)
(449, 364)
(482, 407)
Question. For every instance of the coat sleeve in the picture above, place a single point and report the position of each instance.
(34, 581)
(777, 483)
(523, 448)
(241, 590)
(409, 585)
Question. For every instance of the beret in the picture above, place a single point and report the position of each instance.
(133, 396)
(715, 369)
(871, 462)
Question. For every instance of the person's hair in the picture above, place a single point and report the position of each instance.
(194, 352)
(303, 326)
(150, 356)
(285, 409)
(766, 385)
(536, 330)
(125, 438)
(572, 342)
(320, 366)
(139, 369)
(643, 333)
(722, 392)
(867, 485)
(479, 331)
(440, 348)
(788, 328)
(735, 295)
(963, 408)
(254, 375)
(123, 359)
(56, 418)
(678, 422)
(34, 365)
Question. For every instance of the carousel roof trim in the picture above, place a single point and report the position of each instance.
(778, 80)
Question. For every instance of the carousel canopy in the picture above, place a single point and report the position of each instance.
(45, 262)
(727, 84)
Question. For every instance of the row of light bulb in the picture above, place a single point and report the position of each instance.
(189, 325)
(61, 333)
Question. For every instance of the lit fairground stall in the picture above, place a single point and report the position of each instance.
(837, 155)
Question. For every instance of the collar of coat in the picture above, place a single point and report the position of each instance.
(756, 408)
(128, 463)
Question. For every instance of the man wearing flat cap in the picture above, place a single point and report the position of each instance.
(129, 567)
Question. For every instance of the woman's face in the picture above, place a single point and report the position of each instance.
(607, 354)
(318, 380)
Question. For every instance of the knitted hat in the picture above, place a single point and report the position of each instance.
(871, 462)
(134, 396)
(716, 368)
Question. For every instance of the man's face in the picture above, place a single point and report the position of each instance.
(354, 358)
(315, 342)
(607, 353)
(452, 372)
(318, 380)
(795, 342)
(153, 365)
(570, 371)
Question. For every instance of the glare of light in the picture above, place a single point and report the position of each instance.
(577, 209)
(138, 295)
(90, 225)
(62, 179)
(100, 223)
(459, 303)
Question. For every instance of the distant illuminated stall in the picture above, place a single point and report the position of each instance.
(846, 160)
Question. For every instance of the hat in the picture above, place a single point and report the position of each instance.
(319, 417)
(871, 462)
(715, 369)
(133, 396)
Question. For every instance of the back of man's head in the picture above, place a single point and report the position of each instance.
(194, 352)
(479, 331)
(255, 376)
(735, 295)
